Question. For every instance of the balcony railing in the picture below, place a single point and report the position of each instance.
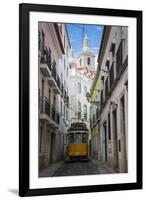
(46, 57)
(49, 110)
(51, 73)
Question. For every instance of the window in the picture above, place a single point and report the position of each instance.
(80, 61)
(64, 41)
(88, 61)
(67, 72)
(41, 138)
(39, 40)
(61, 78)
(102, 80)
(39, 98)
(94, 119)
(85, 90)
(109, 127)
(49, 94)
(54, 70)
(64, 111)
(85, 112)
(67, 50)
(43, 85)
(119, 57)
(122, 113)
(49, 59)
(78, 138)
(64, 63)
(111, 74)
(79, 87)
(106, 87)
(71, 138)
(79, 110)
(61, 108)
(97, 113)
(84, 137)
(66, 114)
(43, 39)
(101, 101)
(54, 101)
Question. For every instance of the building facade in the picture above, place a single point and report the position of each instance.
(113, 94)
(94, 115)
(53, 91)
(81, 76)
(64, 71)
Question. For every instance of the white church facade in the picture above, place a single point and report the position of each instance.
(82, 71)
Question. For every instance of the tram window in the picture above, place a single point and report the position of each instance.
(84, 138)
(71, 138)
(78, 138)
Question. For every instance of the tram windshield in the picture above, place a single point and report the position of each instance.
(77, 138)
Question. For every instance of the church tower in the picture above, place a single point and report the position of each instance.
(86, 59)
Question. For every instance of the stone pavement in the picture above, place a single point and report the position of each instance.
(102, 167)
(47, 172)
(75, 168)
(89, 167)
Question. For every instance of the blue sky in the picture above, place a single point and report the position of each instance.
(94, 33)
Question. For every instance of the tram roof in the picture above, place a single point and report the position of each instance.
(78, 127)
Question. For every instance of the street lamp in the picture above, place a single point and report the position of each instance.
(106, 71)
(88, 96)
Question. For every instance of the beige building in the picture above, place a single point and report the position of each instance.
(113, 95)
(53, 95)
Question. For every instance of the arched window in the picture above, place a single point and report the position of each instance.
(79, 110)
(80, 61)
(85, 112)
(88, 61)
(79, 87)
(54, 101)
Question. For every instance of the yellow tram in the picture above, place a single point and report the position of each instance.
(77, 141)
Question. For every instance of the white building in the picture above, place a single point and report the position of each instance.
(81, 75)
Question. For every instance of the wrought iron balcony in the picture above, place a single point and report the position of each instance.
(54, 81)
(49, 110)
(45, 105)
(45, 62)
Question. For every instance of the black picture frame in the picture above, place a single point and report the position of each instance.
(24, 187)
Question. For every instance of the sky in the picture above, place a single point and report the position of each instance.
(94, 34)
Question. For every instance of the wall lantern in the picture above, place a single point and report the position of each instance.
(88, 96)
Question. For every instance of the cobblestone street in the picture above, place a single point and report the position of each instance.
(76, 168)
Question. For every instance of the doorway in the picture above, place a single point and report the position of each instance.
(115, 139)
(123, 135)
(105, 141)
